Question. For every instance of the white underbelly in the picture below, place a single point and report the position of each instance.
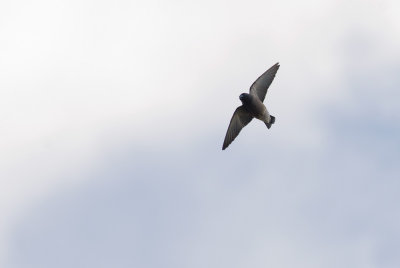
(265, 117)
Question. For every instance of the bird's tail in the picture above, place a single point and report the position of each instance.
(270, 122)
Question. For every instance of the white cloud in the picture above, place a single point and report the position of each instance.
(78, 78)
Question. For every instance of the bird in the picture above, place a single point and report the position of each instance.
(252, 106)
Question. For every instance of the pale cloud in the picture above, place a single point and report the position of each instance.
(79, 79)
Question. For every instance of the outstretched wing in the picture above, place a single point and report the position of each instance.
(241, 117)
(260, 86)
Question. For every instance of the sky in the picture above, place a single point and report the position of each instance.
(113, 116)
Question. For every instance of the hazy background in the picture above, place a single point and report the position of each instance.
(113, 114)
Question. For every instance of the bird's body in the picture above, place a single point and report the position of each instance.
(252, 106)
(255, 107)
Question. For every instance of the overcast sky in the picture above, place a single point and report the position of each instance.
(113, 114)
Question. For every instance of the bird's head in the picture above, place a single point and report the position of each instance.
(242, 97)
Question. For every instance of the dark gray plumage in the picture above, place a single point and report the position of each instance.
(252, 106)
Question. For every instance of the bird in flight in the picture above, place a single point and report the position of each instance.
(252, 106)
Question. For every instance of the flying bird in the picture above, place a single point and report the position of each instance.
(252, 106)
